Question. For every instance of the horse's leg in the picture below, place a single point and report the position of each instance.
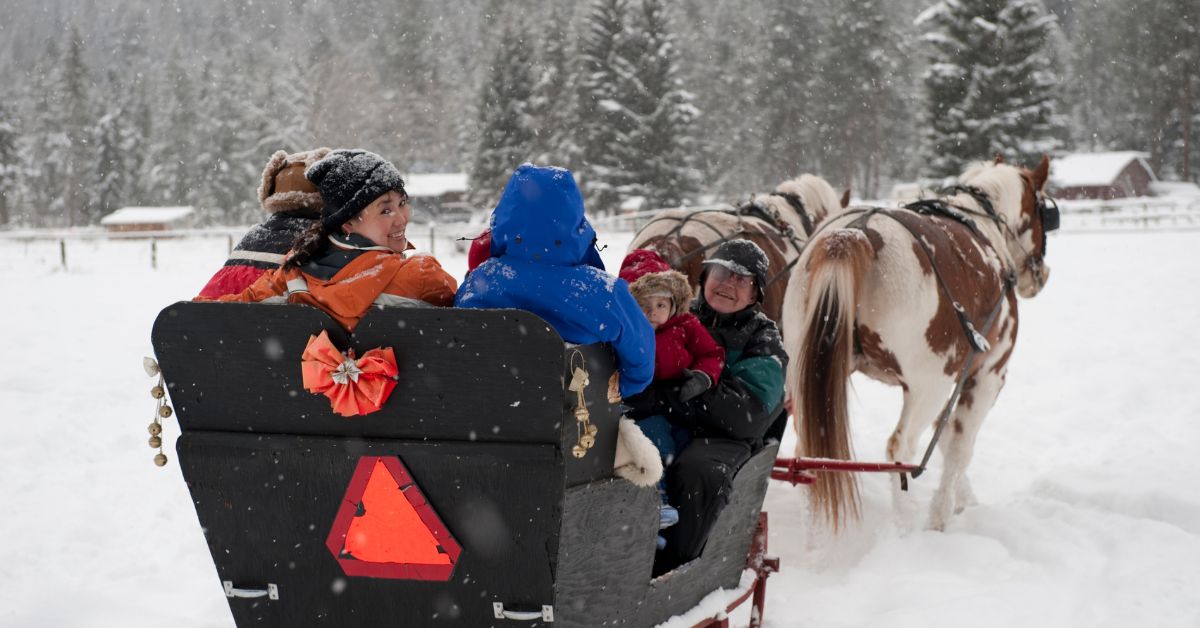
(958, 446)
(921, 406)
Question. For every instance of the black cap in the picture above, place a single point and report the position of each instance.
(349, 180)
(744, 258)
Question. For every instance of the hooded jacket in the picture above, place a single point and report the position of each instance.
(352, 275)
(544, 261)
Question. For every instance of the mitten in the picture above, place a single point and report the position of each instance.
(695, 383)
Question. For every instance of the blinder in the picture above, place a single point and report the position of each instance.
(1049, 213)
(1050, 216)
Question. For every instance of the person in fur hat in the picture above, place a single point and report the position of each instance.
(683, 350)
(353, 258)
(293, 203)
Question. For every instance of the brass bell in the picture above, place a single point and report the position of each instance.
(155, 429)
(578, 451)
(157, 392)
(592, 430)
(587, 440)
(581, 413)
(155, 442)
(164, 411)
(160, 460)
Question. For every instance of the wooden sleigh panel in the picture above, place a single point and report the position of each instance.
(476, 439)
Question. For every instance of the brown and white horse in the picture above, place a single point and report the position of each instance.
(779, 222)
(876, 291)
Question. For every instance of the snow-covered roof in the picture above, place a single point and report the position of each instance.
(1082, 169)
(426, 185)
(633, 204)
(1174, 188)
(144, 215)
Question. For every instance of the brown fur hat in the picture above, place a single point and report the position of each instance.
(648, 275)
(284, 187)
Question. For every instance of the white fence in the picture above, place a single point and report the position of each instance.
(1172, 213)
(83, 249)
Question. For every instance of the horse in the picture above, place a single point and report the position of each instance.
(920, 297)
(779, 222)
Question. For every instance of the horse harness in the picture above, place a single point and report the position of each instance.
(753, 209)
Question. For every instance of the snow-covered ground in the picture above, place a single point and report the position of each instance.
(1089, 513)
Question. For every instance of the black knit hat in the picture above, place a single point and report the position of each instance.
(744, 258)
(349, 180)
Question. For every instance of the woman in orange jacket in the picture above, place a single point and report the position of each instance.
(354, 257)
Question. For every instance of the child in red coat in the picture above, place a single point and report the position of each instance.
(683, 349)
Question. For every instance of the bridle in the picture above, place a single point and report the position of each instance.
(1048, 215)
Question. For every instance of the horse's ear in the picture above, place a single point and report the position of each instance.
(1041, 173)
(845, 198)
(999, 159)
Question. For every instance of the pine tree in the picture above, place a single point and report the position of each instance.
(552, 105)
(605, 123)
(663, 163)
(724, 43)
(990, 84)
(76, 126)
(172, 174)
(787, 85)
(111, 169)
(10, 165)
(505, 130)
(859, 102)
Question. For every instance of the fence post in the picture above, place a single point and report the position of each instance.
(229, 244)
(432, 236)
(154, 253)
(62, 252)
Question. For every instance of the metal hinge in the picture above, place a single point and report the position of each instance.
(547, 614)
(271, 592)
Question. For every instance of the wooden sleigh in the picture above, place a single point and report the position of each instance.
(472, 454)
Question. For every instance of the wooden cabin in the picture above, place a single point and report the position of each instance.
(1102, 176)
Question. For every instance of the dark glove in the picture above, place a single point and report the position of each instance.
(694, 383)
(641, 405)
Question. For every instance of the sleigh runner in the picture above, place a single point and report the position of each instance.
(464, 500)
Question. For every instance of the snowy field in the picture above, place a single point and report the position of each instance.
(1089, 513)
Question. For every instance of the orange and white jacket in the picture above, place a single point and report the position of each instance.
(374, 276)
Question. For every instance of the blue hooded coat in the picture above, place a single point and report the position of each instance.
(544, 260)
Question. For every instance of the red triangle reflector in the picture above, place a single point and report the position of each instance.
(385, 528)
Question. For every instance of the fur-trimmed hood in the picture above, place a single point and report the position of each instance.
(285, 189)
(648, 275)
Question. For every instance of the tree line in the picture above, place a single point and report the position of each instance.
(144, 102)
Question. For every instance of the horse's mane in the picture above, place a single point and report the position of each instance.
(819, 197)
(1001, 182)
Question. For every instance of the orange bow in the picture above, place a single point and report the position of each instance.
(354, 387)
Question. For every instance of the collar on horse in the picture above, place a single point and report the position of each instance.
(752, 209)
(773, 217)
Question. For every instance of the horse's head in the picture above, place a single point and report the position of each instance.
(1026, 215)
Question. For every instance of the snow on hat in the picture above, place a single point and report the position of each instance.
(744, 258)
(349, 180)
(284, 188)
(649, 276)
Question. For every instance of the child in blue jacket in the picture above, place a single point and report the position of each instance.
(544, 260)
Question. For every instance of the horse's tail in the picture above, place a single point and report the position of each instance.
(837, 264)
